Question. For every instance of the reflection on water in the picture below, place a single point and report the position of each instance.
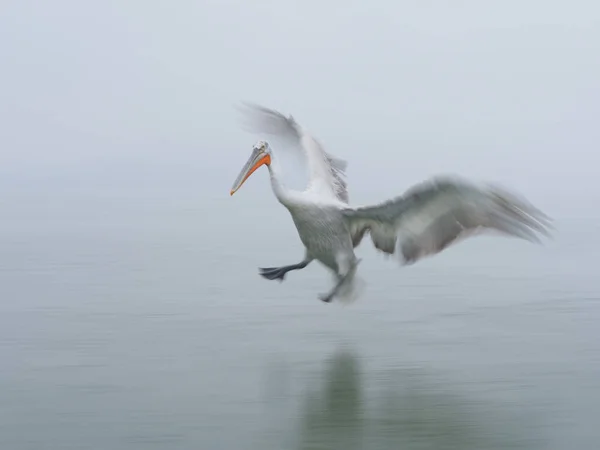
(399, 408)
(111, 340)
(333, 416)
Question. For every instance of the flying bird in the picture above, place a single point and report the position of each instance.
(423, 221)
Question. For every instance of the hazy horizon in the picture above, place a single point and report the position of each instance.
(119, 94)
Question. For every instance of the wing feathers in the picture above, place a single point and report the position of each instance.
(433, 215)
(326, 171)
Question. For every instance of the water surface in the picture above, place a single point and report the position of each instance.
(130, 322)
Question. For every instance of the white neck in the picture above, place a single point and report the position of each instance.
(279, 189)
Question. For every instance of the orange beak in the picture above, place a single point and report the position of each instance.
(257, 159)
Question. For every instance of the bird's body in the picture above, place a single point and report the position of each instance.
(322, 231)
(425, 220)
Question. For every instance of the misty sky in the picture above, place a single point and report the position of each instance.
(115, 92)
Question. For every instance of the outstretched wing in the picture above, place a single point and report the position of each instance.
(433, 215)
(326, 173)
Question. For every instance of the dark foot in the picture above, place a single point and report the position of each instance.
(326, 298)
(273, 273)
(278, 273)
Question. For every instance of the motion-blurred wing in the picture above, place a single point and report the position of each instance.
(327, 173)
(433, 215)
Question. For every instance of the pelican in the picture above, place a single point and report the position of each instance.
(423, 221)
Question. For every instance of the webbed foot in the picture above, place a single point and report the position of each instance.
(326, 298)
(278, 273)
(273, 273)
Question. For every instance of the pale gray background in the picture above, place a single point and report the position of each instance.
(131, 312)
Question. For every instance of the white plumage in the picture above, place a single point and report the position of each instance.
(423, 221)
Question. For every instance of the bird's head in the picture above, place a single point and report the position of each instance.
(261, 154)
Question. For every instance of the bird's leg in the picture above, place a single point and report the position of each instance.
(278, 273)
(343, 278)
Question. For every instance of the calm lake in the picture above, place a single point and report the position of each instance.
(142, 323)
